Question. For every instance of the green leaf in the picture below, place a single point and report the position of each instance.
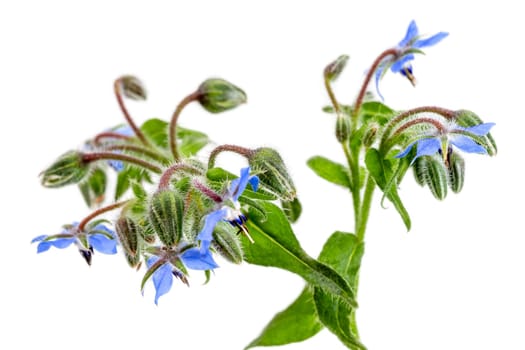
(296, 323)
(382, 173)
(190, 141)
(375, 111)
(276, 245)
(299, 321)
(93, 188)
(130, 174)
(330, 171)
(343, 252)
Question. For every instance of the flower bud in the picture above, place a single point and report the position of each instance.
(342, 127)
(218, 95)
(133, 88)
(68, 169)
(226, 243)
(128, 235)
(456, 171)
(272, 173)
(93, 188)
(332, 71)
(166, 215)
(370, 135)
(430, 171)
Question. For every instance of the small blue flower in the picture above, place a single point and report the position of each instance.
(455, 135)
(400, 63)
(95, 238)
(162, 277)
(229, 209)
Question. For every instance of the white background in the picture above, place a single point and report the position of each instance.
(454, 282)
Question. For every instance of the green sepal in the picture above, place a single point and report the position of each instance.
(68, 169)
(93, 188)
(330, 171)
(128, 234)
(292, 209)
(456, 172)
(382, 172)
(431, 171)
(296, 323)
(226, 242)
(334, 69)
(219, 95)
(273, 175)
(166, 213)
(276, 245)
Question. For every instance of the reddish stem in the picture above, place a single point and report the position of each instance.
(173, 124)
(118, 93)
(164, 181)
(98, 212)
(246, 152)
(91, 157)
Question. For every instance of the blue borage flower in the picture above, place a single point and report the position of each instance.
(229, 209)
(400, 62)
(97, 237)
(438, 142)
(164, 265)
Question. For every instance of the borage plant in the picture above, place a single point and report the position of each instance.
(177, 212)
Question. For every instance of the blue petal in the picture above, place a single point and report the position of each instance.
(412, 32)
(43, 247)
(125, 130)
(195, 260)
(405, 151)
(59, 243)
(379, 73)
(162, 278)
(466, 144)
(238, 185)
(427, 147)
(117, 165)
(433, 40)
(254, 182)
(205, 236)
(103, 244)
(398, 65)
(480, 129)
(39, 238)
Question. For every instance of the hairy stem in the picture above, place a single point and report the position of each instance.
(91, 157)
(98, 212)
(173, 124)
(118, 93)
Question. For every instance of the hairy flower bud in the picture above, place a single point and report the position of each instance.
(68, 169)
(334, 69)
(456, 171)
(292, 209)
(133, 88)
(272, 173)
(218, 95)
(342, 127)
(370, 135)
(166, 215)
(430, 171)
(128, 235)
(226, 243)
